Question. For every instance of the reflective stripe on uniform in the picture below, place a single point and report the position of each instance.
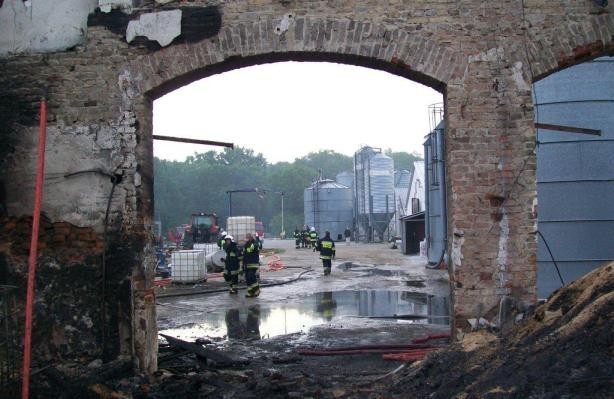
(253, 266)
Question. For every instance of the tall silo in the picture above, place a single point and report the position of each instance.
(346, 178)
(575, 172)
(374, 192)
(328, 207)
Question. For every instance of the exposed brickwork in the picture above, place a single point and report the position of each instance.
(482, 55)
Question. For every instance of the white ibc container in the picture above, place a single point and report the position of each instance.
(208, 248)
(239, 226)
(188, 266)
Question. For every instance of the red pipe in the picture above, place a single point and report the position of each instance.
(38, 199)
(364, 350)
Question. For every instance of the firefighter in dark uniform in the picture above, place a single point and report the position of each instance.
(222, 240)
(313, 238)
(232, 263)
(326, 246)
(305, 236)
(251, 263)
(297, 238)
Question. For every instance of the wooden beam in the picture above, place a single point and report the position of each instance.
(569, 129)
(193, 141)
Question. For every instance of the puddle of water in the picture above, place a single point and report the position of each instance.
(265, 321)
(371, 270)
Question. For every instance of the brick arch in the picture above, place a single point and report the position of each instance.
(358, 43)
(565, 45)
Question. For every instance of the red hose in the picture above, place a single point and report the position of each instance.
(416, 346)
(408, 356)
(430, 337)
(358, 351)
(38, 199)
(274, 264)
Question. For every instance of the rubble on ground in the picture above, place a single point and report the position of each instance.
(566, 350)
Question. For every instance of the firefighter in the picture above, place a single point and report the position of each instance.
(259, 241)
(297, 238)
(313, 238)
(231, 263)
(326, 246)
(305, 236)
(251, 263)
(222, 240)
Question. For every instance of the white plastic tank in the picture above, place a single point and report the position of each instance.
(239, 226)
(188, 266)
(214, 262)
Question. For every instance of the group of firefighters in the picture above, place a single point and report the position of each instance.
(306, 238)
(246, 258)
(309, 238)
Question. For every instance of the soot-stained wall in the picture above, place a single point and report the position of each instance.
(484, 57)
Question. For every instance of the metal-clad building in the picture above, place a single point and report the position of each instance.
(435, 194)
(328, 207)
(374, 192)
(575, 172)
(402, 182)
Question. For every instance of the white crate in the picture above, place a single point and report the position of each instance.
(239, 226)
(188, 266)
(208, 248)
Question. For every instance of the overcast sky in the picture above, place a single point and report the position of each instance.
(286, 110)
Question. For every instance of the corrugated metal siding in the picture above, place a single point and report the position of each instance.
(575, 172)
(374, 190)
(434, 176)
(328, 207)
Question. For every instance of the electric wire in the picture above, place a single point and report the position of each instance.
(551, 256)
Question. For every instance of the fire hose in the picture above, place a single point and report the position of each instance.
(416, 350)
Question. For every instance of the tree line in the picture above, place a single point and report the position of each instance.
(200, 184)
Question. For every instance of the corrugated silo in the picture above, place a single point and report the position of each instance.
(345, 178)
(328, 207)
(374, 192)
(575, 172)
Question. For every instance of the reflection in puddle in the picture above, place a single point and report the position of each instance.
(371, 270)
(266, 321)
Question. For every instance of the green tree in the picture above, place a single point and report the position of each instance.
(403, 160)
(200, 184)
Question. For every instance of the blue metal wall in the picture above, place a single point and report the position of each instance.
(435, 185)
(575, 172)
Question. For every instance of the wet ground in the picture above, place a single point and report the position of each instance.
(374, 297)
(371, 286)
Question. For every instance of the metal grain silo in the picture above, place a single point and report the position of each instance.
(328, 207)
(374, 192)
(575, 172)
(345, 178)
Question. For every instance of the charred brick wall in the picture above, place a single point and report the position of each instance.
(483, 56)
